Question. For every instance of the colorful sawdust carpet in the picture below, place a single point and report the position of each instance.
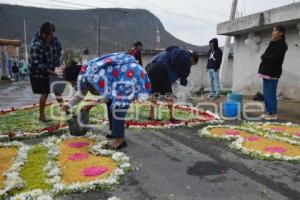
(23, 122)
(59, 166)
(259, 140)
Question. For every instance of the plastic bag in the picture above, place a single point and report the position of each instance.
(181, 93)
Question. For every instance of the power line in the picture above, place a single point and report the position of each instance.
(46, 4)
(204, 8)
(87, 5)
(175, 13)
(77, 4)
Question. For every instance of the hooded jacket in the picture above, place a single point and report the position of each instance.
(177, 62)
(43, 57)
(272, 59)
(215, 55)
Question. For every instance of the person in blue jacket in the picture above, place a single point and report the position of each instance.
(119, 79)
(165, 68)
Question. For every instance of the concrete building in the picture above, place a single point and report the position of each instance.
(252, 35)
(198, 73)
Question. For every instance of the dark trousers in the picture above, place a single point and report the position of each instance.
(270, 91)
(116, 117)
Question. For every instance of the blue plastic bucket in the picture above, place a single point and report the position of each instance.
(231, 109)
(235, 97)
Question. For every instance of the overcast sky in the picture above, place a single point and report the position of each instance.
(192, 21)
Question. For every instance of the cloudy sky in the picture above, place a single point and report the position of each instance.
(193, 21)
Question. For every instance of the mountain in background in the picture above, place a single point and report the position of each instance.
(76, 29)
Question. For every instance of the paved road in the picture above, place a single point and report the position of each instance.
(17, 94)
(178, 164)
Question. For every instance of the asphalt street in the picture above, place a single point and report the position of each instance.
(178, 164)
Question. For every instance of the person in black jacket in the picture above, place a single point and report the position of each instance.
(15, 70)
(165, 68)
(270, 70)
(213, 65)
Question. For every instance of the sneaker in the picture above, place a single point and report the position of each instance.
(271, 117)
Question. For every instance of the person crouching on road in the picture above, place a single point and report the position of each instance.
(165, 68)
(120, 79)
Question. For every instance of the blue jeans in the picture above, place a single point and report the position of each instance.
(214, 84)
(270, 91)
(16, 76)
(116, 117)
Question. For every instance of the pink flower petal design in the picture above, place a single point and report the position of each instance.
(275, 150)
(232, 132)
(278, 129)
(78, 156)
(253, 138)
(79, 144)
(297, 134)
(94, 171)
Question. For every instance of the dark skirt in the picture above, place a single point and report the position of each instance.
(40, 85)
(158, 76)
(43, 85)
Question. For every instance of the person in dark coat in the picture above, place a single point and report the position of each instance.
(213, 65)
(136, 52)
(15, 70)
(45, 54)
(270, 70)
(165, 68)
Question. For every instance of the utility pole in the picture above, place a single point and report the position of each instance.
(223, 69)
(5, 62)
(98, 36)
(25, 42)
(157, 38)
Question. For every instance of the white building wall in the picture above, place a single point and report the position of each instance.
(247, 61)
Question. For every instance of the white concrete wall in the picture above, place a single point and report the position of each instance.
(198, 73)
(246, 63)
(287, 15)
